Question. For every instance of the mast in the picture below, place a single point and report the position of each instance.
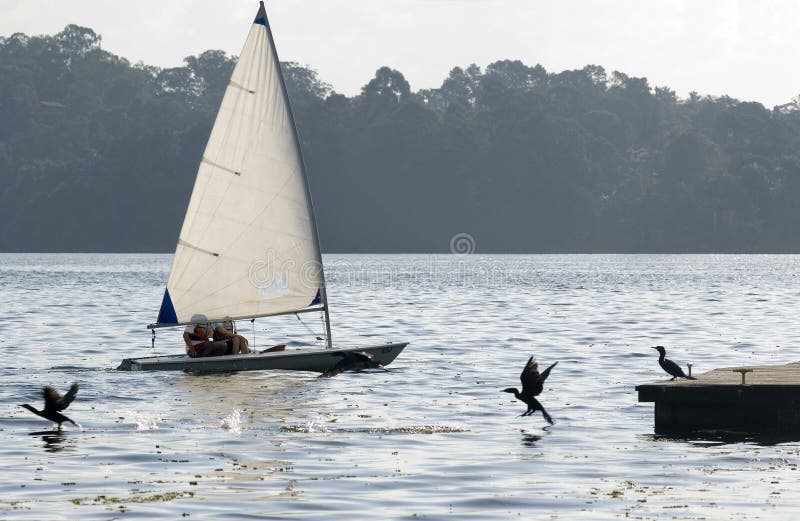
(262, 15)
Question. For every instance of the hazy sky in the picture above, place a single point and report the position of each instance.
(747, 49)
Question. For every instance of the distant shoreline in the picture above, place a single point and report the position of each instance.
(98, 154)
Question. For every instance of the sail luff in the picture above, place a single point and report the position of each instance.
(323, 292)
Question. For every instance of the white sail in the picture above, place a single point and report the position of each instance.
(248, 246)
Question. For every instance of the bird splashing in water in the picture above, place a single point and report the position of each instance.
(352, 361)
(669, 366)
(53, 403)
(532, 386)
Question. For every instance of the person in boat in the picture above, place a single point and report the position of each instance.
(199, 339)
(226, 330)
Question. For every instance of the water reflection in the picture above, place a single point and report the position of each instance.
(54, 441)
(529, 440)
(718, 438)
(264, 395)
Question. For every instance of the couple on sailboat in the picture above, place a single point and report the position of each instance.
(204, 338)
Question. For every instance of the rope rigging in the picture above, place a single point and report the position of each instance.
(308, 328)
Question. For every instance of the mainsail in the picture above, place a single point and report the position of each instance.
(248, 246)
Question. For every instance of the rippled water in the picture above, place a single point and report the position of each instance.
(433, 437)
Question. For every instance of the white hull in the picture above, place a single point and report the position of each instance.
(316, 360)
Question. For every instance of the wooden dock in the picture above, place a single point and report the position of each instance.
(768, 403)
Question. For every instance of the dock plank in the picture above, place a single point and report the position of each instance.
(784, 374)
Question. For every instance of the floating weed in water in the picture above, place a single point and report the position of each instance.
(410, 429)
(418, 429)
(314, 425)
(295, 428)
(13, 505)
(628, 490)
(155, 498)
(233, 422)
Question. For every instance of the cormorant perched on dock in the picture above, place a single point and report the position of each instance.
(669, 366)
(532, 386)
(352, 361)
(54, 402)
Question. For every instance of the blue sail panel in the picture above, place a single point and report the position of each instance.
(317, 299)
(261, 17)
(166, 315)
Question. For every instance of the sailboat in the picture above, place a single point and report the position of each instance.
(248, 247)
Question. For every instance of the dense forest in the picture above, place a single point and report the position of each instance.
(98, 154)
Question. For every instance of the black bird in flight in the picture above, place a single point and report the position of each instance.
(352, 361)
(669, 366)
(532, 386)
(53, 403)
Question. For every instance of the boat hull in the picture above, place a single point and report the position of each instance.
(316, 360)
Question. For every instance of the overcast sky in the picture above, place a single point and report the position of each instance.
(747, 49)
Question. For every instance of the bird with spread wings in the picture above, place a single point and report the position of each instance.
(532, 386)
(54, 403)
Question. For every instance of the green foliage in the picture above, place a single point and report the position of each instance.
(99, 154)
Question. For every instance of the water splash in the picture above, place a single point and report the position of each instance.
(317, 425)
(233, 422)
(146, 423)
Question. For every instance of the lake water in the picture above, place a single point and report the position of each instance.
(430, 438)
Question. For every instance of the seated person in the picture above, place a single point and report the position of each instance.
(197, 337)
(226, 330)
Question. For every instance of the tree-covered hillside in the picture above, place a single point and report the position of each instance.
(98, 154)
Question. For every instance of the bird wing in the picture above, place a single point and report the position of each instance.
(546, 372)
(51, 399)
(73, 391)
(530, 375)
(672, 368)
